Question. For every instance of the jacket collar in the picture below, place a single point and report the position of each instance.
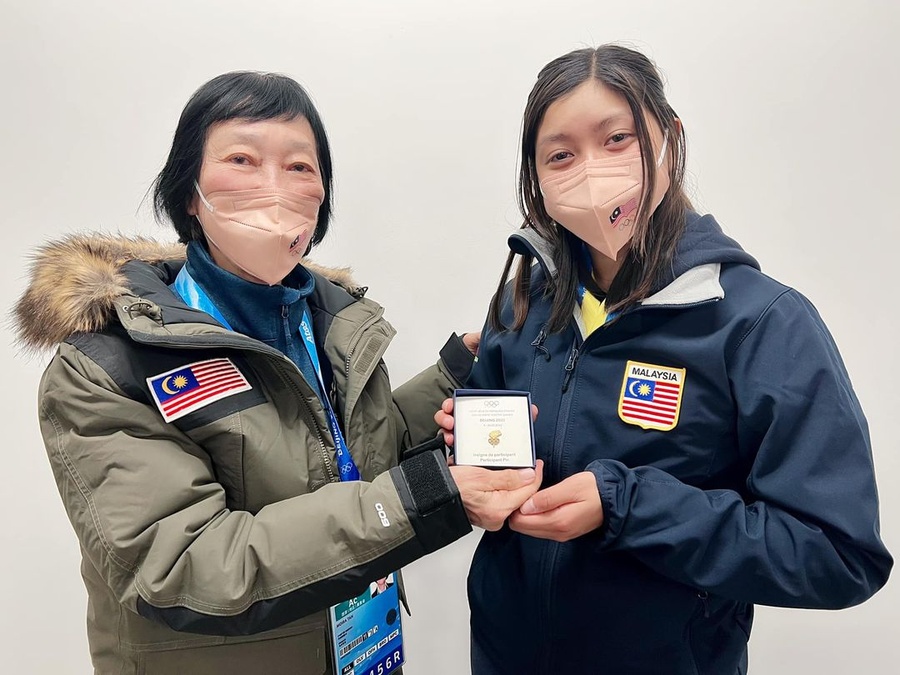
(696, 285)
(83, 282)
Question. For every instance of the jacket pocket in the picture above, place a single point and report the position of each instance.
(718, 634)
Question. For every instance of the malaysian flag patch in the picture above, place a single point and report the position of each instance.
(181, 391)
(651, 395)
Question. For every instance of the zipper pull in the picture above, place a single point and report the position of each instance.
(539, 344)
(285, 311)
(570, 368)
(704, 599)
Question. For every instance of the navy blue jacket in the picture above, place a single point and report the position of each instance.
(763, 491)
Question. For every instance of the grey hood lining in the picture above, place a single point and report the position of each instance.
(698, 284)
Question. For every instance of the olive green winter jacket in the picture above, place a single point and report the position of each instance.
(213, 543)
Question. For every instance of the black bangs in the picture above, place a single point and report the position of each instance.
(252, 96)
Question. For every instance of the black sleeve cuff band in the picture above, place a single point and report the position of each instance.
(431, 500)
(457, 358)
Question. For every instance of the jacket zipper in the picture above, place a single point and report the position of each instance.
(539, 344)
(704, 601)
(323, 449)
(570, 367)
(552, 550)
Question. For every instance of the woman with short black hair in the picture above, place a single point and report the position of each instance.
(219, 420)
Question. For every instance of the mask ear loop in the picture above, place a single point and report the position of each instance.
(209, 207)
(662, 152)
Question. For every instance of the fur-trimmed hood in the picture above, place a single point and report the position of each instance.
(75, 283)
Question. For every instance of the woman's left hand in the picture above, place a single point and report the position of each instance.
(563, 511)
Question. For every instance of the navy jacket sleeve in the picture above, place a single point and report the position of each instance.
(808, 534)
(487, 372)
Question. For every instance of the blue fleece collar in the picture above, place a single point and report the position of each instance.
(251, 309)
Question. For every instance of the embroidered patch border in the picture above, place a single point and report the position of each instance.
(189, 388)
(651, 395)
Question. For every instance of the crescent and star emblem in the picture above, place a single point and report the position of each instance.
(173, 384)
(651, 395)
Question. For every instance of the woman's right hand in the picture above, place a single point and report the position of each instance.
(490, 496)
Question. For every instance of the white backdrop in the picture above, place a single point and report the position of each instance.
(790, 110)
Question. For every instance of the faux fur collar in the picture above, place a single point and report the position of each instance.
(75, 282)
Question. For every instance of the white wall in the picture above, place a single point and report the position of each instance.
(790, 110)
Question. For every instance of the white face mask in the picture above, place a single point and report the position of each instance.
(263, 231)
(598, 201)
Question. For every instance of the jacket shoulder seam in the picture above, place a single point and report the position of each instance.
(758, 321)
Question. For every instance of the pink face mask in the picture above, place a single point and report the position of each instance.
(598, 201)
(264, 231)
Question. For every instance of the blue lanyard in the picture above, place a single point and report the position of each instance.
(345, 462)
(194, 296)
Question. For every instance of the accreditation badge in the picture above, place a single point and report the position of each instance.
(651, 395)
(366, 635)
